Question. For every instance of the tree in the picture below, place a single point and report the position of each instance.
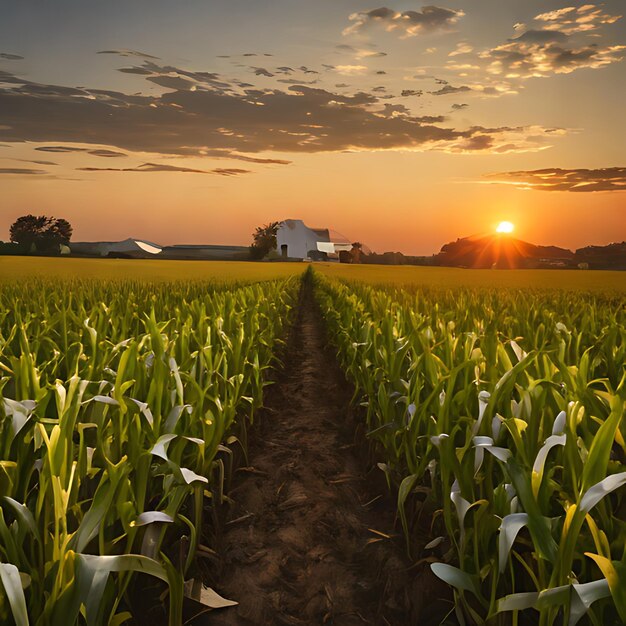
(42, 232)
(356, 252)
(264, 240)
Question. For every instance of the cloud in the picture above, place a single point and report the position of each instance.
(584, 18)
(128, 53)
(557, 179)
(229, 171)
(10, 57)
(293, 81)
(107, 153)
(410, 23)
(361, 53)
(156, 167)
(68, 149)
(461, 48)
(261, 71)
(21, 171)
(60, 149)
(448, 89)
(411, 92)
(36, 162)
(350, 70)
(557, 43)
(220, 119)
(522, 59)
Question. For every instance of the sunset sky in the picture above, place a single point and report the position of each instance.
(401, 125)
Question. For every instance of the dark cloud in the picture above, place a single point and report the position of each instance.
(261, 71)
(135, 70)
(458, 107)
(128, 53)
(229, 171)
(68, 149)
(221, 119)
(107, 153)
(557, 179)
(411, 92)
(541, 36)
(10, 57)
(448, 89)
(431, 119)
(410, 23)
(19, 171)
(175, 78)
(156, 167)
(293, 81)
(60, 149)
(36, 162)
(173, 82)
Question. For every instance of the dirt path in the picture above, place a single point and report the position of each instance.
(300, 547)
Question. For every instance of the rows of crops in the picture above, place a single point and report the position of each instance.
(502, 411)
(118, 403)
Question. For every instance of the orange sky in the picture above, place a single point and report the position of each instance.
(401, 130)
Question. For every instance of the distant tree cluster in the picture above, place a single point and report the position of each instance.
(40, 233)
(263, 241)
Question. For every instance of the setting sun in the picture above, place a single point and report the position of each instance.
(505, 227)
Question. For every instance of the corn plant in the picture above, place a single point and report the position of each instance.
(117, 401)
(507, 408)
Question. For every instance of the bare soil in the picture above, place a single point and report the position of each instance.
(312, 535)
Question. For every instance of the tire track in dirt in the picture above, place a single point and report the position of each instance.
(298, 548)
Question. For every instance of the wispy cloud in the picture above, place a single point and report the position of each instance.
(156, 167)
(123, 52)
(101, 152)
(557, 179)
(21, 171)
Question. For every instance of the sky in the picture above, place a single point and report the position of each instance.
(401, 125)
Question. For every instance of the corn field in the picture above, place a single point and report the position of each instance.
(118, 405)
(504, 410)
(496, 414)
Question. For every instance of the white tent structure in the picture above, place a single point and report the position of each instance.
(296, 240)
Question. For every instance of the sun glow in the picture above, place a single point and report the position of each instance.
(505, 227)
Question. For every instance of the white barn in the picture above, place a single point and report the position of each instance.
(296, 240)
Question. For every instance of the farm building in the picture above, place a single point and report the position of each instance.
(296, 240)
(129, 248)
(206, 252)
